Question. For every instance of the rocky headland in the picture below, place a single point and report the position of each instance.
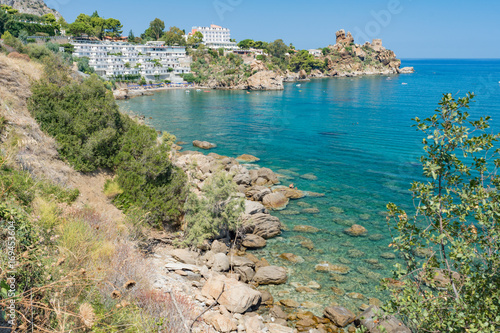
(343, 59)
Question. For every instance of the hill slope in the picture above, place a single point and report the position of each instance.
(36, 7)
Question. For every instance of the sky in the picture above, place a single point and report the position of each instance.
(411, 28)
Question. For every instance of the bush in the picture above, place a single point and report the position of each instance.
(38, 52)
(455, 287)
(91, 134)
(215, 214)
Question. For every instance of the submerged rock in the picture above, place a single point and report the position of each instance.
(356, 230)
(376, 322)
(325, 266)
(292, 258)
(305, 228)
(290, 193)
(252, 241)
(309, 176)
(247, 158)
(339, 316)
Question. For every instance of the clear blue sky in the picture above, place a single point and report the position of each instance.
(412, 28)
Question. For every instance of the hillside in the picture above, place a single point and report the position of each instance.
(35, 7)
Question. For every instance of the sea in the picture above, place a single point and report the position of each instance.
(351, 140)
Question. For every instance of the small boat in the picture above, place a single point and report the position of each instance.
(198, 90)
(207, 91)
(187, 91)
(299, 85)
(404, 84)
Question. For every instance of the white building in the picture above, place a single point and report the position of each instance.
(216, 37)
(316, 52)
(154, 61)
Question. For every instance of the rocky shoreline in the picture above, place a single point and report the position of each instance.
(226, 279)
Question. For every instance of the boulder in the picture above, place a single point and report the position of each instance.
(356, 230)
(252, 207)
(270, 275)
(265, 80)
(242, 179)
(247, 158)
(277, 328)
(252, 241)
(289, 303)
(204, 144)
(246, 273)
(253, 324)
(220, 322)
(221, 263)
(219, 247)
(290, 193)
(263, 225)
(376, 321)
(237, 261)
(185, 256)
(277, 312)
(406, 70)
(236, 296)
(257, 193)
(339, 316)
(276, 201)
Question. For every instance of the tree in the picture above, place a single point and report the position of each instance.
(195, 39)
(277, 48)
(174, 36)
(131, 37)
(113, 27)
(216, 212)
(156, 28)
(246, 44)
(451, 244)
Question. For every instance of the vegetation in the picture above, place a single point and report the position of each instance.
(156, 28)
(216, 213)
(451, 245)
(95, 26)
(92, 134)
(174, 36)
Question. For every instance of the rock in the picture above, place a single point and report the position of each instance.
(406, 70)
(185, 256)
(289, 303)
(263, 225)
(252, 241)
(376, 237)
(254, 324)
(246, 273)
(310, 305)
(204, 144)
(270, 275)
(221, 263)
(376, 321)
(305, 228)
(242, 179)
(237, 261)
(343, 39)
(237, 297)
(267, 298)
(220, 322)
(277, 328)
(356, 230)
(275, 201)
(325, 266)
(339, 316)
(309, 176)
(257, 193)
(247, 158)
(338, 291)
(277, 312)
(313, 285)
(290, 193)
(252, 207)
(268, 175)
(308, 244)
(181, 267)
(313, 210)
(356, 296)
(265, 80)
(388, 255)
(219, 247)
(292, 258)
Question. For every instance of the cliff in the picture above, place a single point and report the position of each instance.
(35, 7)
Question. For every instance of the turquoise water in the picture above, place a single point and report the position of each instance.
(353, 134)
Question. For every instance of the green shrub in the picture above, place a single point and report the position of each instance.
(216, 213)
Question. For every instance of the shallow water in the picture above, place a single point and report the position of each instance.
(353, 134)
